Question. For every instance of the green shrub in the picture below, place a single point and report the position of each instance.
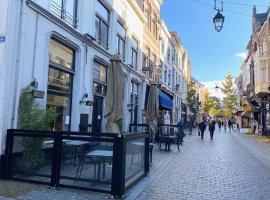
(32, 117)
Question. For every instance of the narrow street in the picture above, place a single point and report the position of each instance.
(232, 166)
(229, 167)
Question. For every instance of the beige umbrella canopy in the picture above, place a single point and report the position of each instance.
(115, 94)
(152, 108)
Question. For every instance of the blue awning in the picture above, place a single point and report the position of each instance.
(165, 102)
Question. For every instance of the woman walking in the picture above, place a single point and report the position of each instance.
(211, 129)
(225, 125)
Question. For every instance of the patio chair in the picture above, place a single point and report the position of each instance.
(83, 160)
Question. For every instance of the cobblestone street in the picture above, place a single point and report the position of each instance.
(232, 166)
(220, 169)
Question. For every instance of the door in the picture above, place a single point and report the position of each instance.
(97, 113)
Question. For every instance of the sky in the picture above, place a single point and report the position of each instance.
(212, 54)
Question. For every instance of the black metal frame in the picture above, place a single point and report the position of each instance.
(118, 160)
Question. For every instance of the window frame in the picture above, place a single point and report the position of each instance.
(102, 21)
(134, 51)
(121, 40)
(69, 71)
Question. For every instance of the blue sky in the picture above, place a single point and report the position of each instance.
(212, 54)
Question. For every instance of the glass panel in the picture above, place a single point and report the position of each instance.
(103, 73)
(121, 30)
(59, 80)
(134, 43)
(62, 107)
(134, 160)
(32, 158)
(61, 54)
(102, 11)
(103, 35)
(100, 72)
(97, 28)
(99, 89)
(86, 164)
(70, 6)
(121, 47)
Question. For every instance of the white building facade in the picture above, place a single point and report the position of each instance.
(62, 49)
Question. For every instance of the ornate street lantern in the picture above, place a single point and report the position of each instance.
(218, 21)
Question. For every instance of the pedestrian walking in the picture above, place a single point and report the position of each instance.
(254, 124)
(230, 124)
(225, 125)
(211, 129)
(219, 125)
(202, 128)
(198, 121)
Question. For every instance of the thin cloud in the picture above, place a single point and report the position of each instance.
(242, 55)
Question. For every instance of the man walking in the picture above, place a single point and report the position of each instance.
(230, 124)
(202, 128)
(219, 125)
(211, 129)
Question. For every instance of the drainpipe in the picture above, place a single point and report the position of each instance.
(3, 77)
(19, 55)
(35, 49)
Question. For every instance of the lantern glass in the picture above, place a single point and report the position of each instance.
(218, 20)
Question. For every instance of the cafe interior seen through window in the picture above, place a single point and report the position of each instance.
(60, 76)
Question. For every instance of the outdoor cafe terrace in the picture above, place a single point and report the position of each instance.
(101, 162)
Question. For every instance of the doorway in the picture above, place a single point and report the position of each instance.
(97, 113)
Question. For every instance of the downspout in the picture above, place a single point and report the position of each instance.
(2, 88)
(18, 63)
(35, 50)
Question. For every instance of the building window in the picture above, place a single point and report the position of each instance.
(168, 55)
(66, 10)
(134, 102)
(162, 47)
(148, 16)
(102, 24)
(169, 78)
(121, 40)
(161, 76)
(60, 78)
(165, 74)
(134, 53)
(155, 25)
(100, 73)
(147, 61)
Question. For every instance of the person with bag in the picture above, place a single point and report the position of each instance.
(212, 129)
(202, 128)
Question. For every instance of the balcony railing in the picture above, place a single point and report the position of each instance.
(60, 12)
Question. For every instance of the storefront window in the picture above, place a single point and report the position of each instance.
(59, 91)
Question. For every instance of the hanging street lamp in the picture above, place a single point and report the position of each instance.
(218, 20)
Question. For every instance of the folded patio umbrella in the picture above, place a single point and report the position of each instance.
(153, 108)
(115, 94)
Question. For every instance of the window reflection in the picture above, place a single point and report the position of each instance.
(60, 54)
(59, 90)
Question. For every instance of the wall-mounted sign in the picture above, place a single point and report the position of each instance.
(2, 38)
(38, 94)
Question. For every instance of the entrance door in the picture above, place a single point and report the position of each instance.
(97, 113)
